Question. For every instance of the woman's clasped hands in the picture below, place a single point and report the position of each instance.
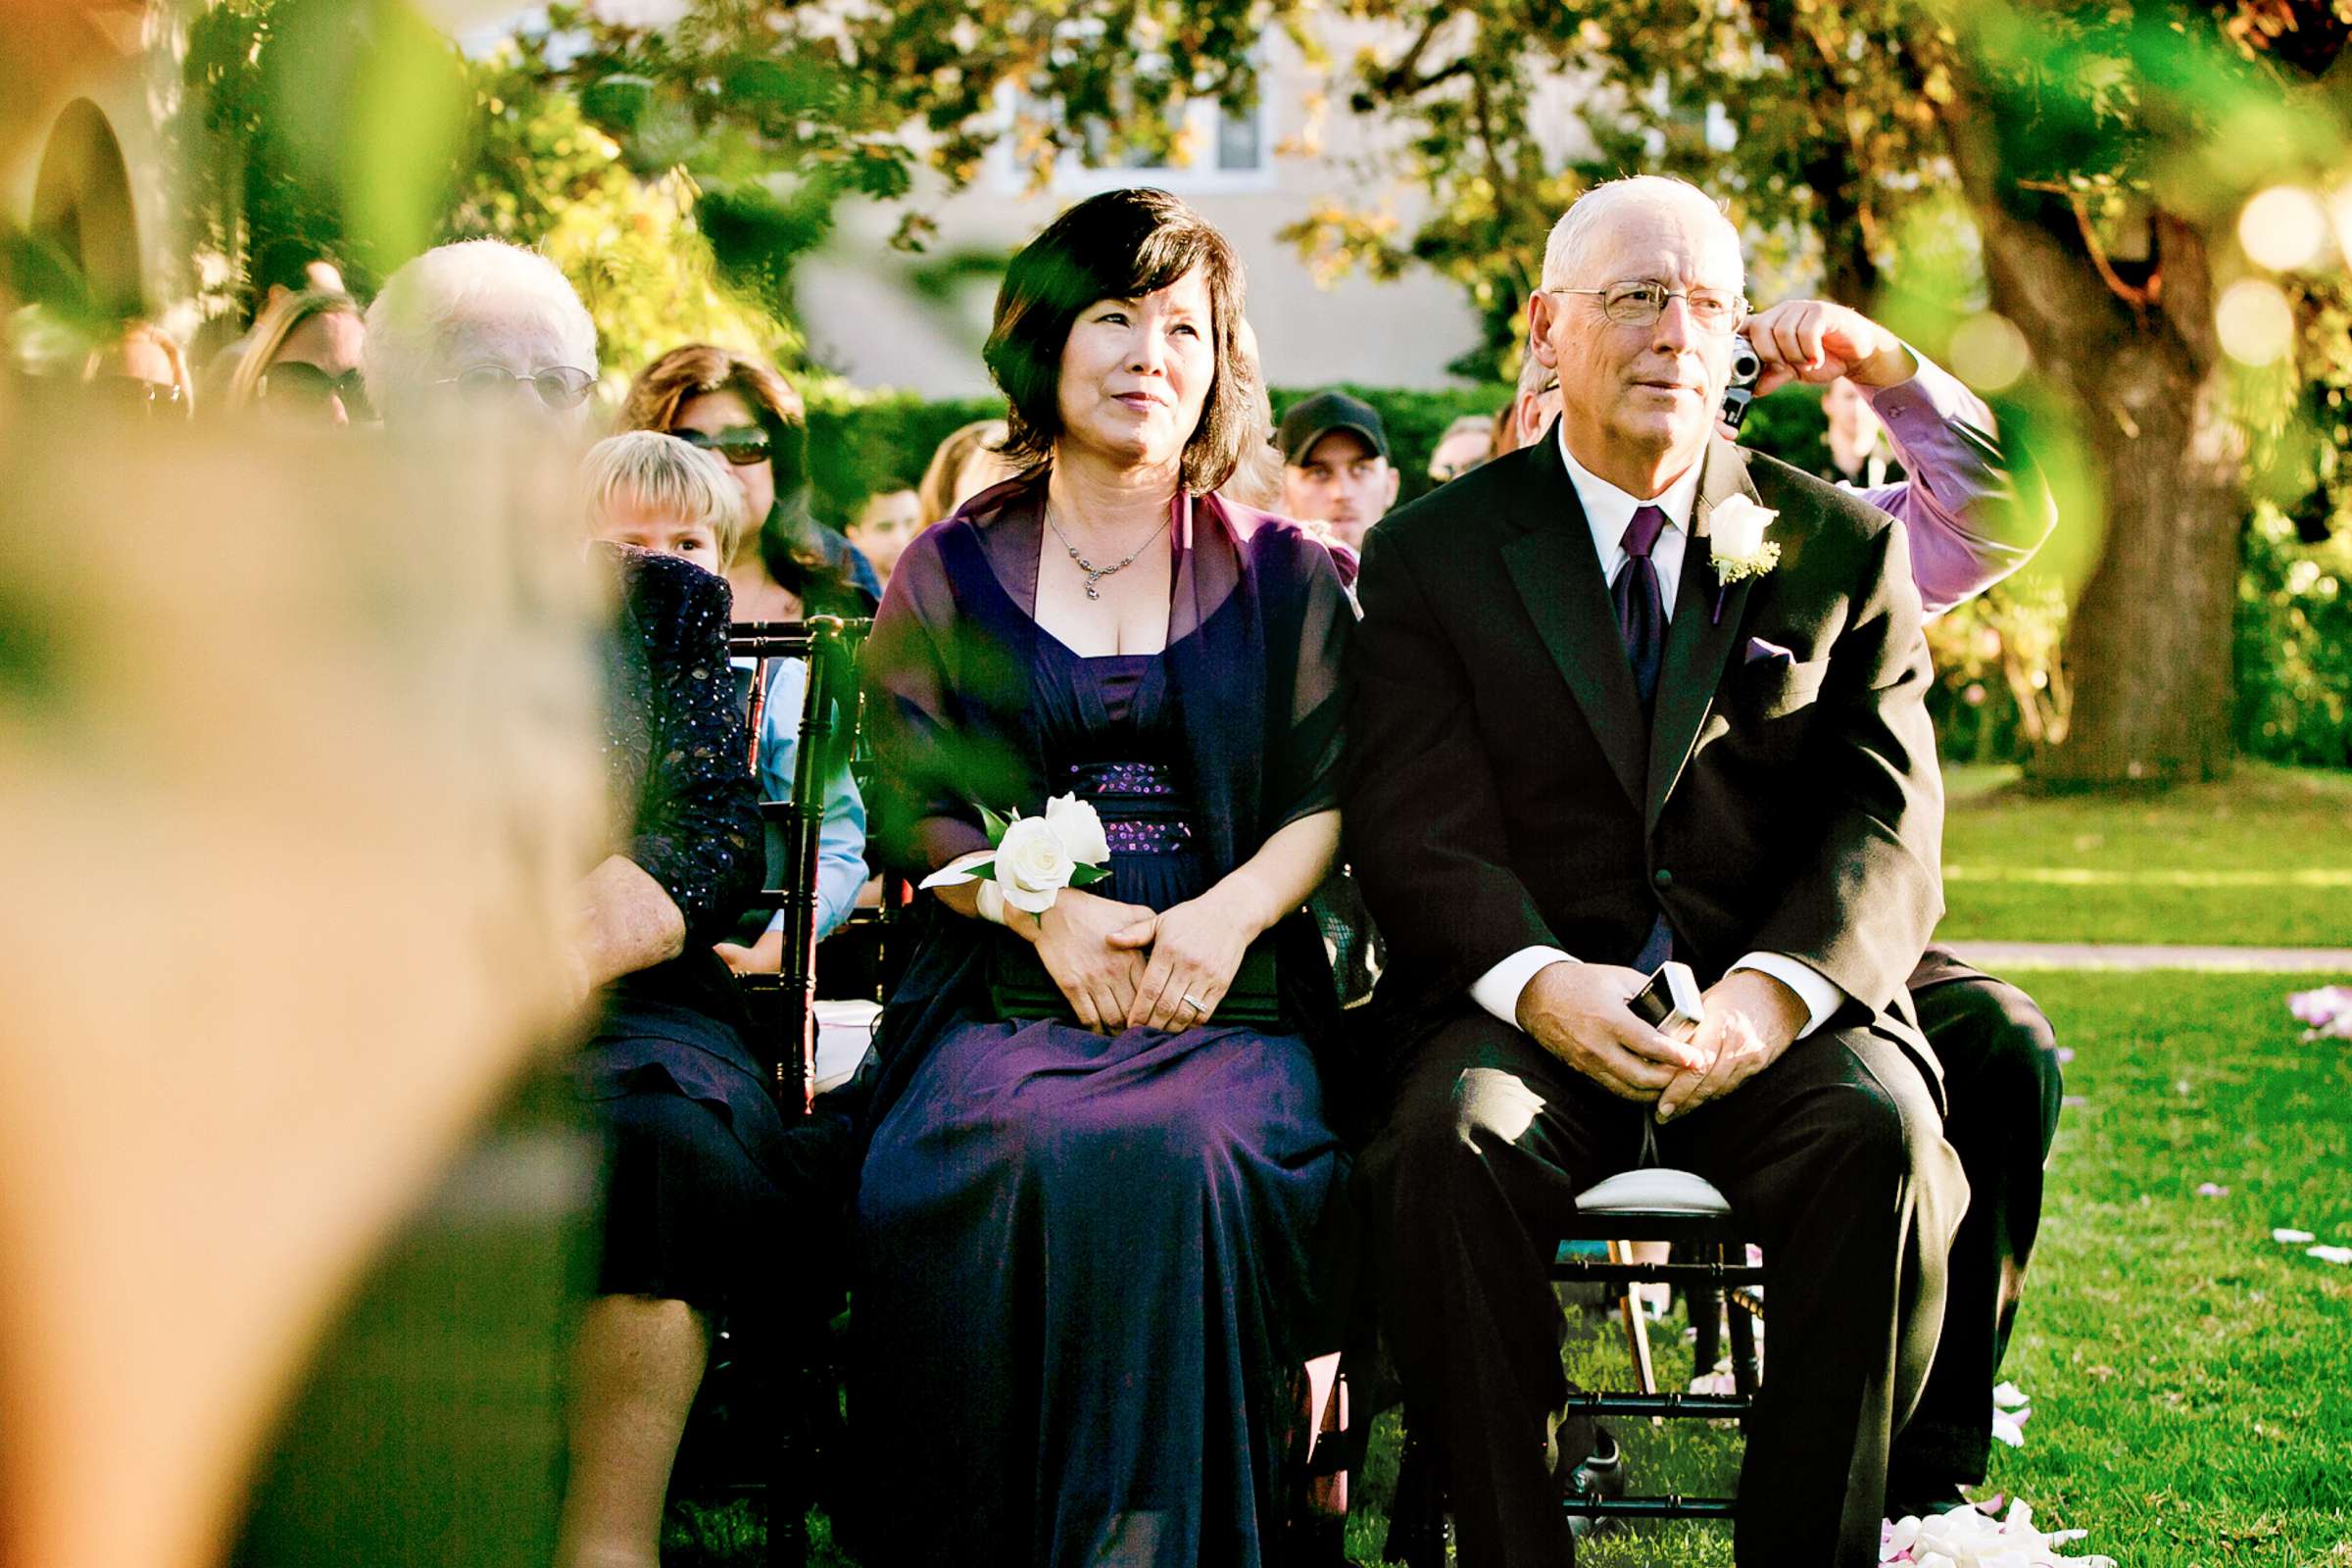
(1124, 967)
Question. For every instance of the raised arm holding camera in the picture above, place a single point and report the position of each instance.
(1975, 514)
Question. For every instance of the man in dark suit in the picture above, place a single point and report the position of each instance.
(1598, 724)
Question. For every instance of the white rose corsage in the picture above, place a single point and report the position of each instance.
(1033, 857)
(1736, 540)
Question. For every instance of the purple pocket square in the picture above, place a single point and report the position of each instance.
(1760, 651)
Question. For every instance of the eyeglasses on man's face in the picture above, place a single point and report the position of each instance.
(1641, 302)
(742, 444)
(561, 387)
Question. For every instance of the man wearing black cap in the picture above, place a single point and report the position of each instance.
(1335, 466)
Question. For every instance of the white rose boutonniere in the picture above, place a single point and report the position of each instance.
(1736, 540)
(1034, 856)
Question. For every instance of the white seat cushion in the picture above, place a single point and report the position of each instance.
(843, 1030)
(1652, 1191)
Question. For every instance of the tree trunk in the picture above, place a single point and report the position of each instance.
(2148, 644)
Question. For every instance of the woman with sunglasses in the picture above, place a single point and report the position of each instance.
(301, 361)
(143, 371)
(742, 410)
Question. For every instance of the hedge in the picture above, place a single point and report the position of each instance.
(859, 449)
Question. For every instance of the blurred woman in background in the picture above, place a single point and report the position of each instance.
(302, 360)
(733, 406)
(144, 371)
(967, 463)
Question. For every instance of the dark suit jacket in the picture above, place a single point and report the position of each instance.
(1504, 792)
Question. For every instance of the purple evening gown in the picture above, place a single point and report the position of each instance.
(1085, 1262)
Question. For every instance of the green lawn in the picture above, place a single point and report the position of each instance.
(2188, 1374)
(2263, 859)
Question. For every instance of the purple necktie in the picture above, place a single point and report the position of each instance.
(1642, 603)
(1642, 620)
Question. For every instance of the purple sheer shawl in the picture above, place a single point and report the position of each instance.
(1257, 631)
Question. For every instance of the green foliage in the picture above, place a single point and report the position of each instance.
(2294, 646)
(334, 121)
(2000, 691)
(635, 246)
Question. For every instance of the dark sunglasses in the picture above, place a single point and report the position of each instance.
(743, 446)
(559, 387)
(307, 386)
(134, 393)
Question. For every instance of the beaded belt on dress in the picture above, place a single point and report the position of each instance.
(1154, 782)
(1132, 779)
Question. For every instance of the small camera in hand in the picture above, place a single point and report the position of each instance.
(1748, 367)
(1671, 1002)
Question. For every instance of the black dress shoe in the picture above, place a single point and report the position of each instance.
(1598, 1476)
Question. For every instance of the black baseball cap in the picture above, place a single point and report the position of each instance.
(1310, 420)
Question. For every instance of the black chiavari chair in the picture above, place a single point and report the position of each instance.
(1713, 1264)
(774, 1384)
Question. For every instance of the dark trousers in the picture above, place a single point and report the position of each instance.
(1835, 1158)
(2001, 1079)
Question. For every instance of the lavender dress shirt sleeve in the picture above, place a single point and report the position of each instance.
(1972, 519)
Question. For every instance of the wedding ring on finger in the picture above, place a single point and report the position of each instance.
(1196, 1003)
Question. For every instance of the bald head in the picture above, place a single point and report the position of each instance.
(1577, 245)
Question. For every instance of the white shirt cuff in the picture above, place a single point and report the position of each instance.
(1497, 990)
(1821, 995)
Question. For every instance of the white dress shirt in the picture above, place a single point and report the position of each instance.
(1609, 512)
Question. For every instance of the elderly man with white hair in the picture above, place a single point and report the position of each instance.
(698, 1163)
(1629, 697)
(479, 325)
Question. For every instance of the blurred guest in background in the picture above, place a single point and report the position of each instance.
(736, 407)
(144, 371)
(1858, 452)
(1335, 466)
(1973, 514)
(698, 1156)
(301, 361)
(1467, 442)
(1535, 404)
(890, 517)
(480, 328)
(1257, 475)
(280, 268)
(967, 463)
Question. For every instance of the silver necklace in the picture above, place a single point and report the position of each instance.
(1094, 573)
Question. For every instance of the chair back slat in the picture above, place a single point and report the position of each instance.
(828, 732)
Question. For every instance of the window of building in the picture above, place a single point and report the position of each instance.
(1232, 151)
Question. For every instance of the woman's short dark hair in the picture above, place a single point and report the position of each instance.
(1122, 244)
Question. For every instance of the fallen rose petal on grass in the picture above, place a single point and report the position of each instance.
(1969, 1539)
(2330, 1255)
(2326, 1013)
(2212, 1190)
(2291, 1237)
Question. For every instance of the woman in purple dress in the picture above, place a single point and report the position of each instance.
(1087, 1244)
